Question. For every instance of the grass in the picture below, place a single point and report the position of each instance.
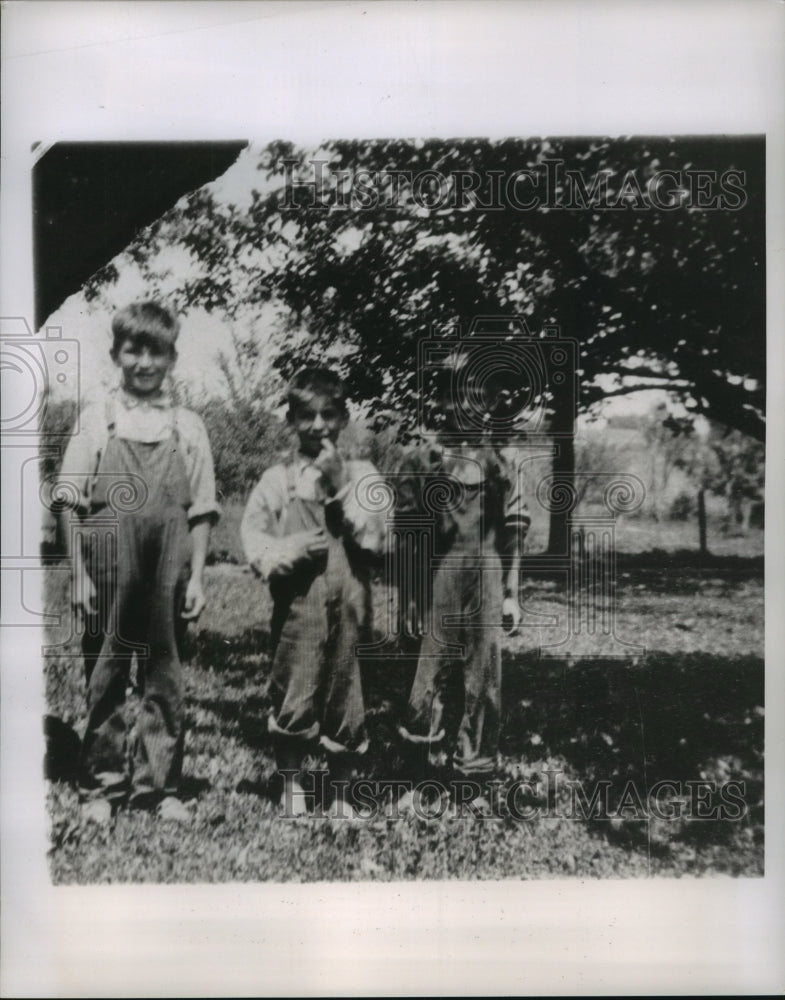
(686, 707)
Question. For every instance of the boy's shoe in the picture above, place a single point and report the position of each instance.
(172, 810)
(98, 811)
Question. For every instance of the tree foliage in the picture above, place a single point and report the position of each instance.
(670, 296)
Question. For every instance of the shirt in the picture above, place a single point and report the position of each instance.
(146, 420)
(360, 499)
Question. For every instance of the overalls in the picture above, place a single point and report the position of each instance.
(321, 612)
(139, 565)
(456, 699)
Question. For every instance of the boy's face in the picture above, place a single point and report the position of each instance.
(144, 366)
(314, 420)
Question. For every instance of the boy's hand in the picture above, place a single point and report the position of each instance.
(511, 615)
(194, 599)
(83, 599)
(330, 464)
(301, 545)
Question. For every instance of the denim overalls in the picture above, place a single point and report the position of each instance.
(139, 565)
(320, 613)
(455, 700)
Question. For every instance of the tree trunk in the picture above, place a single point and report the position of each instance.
(564, 470)
(746, 515)
(702, 522)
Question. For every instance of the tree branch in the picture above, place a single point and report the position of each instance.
(642, 373)
(627, 389)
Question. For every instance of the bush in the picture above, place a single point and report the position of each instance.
(245, 440)
(682, 508)
(57, 422)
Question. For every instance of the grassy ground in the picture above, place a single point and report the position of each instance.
(687, 706)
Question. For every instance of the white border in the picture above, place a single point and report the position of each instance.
(304, 71)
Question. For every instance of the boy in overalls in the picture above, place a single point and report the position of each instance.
(472, 493)
(310, 531)
(140, 475)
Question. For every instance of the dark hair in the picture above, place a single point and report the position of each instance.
(309, 382)
(145, 323)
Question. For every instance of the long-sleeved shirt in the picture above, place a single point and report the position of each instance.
(146, 420)
(263, 543)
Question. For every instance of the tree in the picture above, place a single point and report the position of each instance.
(738, 472)
(670, 444)
(669, 297)
(596, 455)
(722, 461)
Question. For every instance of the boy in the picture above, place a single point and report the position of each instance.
(309, 530)
(454, 707)
(140, 476)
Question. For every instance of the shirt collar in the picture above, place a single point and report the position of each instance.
(301, 461)
(161, 401)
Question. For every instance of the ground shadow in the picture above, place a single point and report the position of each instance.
(664, 715)
(685, 571)
(62, 750)
(676, 717)
(672, 717)
(224, 654)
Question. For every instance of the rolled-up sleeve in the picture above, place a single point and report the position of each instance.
(201, 470)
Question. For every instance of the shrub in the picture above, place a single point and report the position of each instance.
(682, 508)
(245, 440)
(57, 422)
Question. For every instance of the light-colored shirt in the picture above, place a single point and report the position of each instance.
(146, 420)
(359, 497)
